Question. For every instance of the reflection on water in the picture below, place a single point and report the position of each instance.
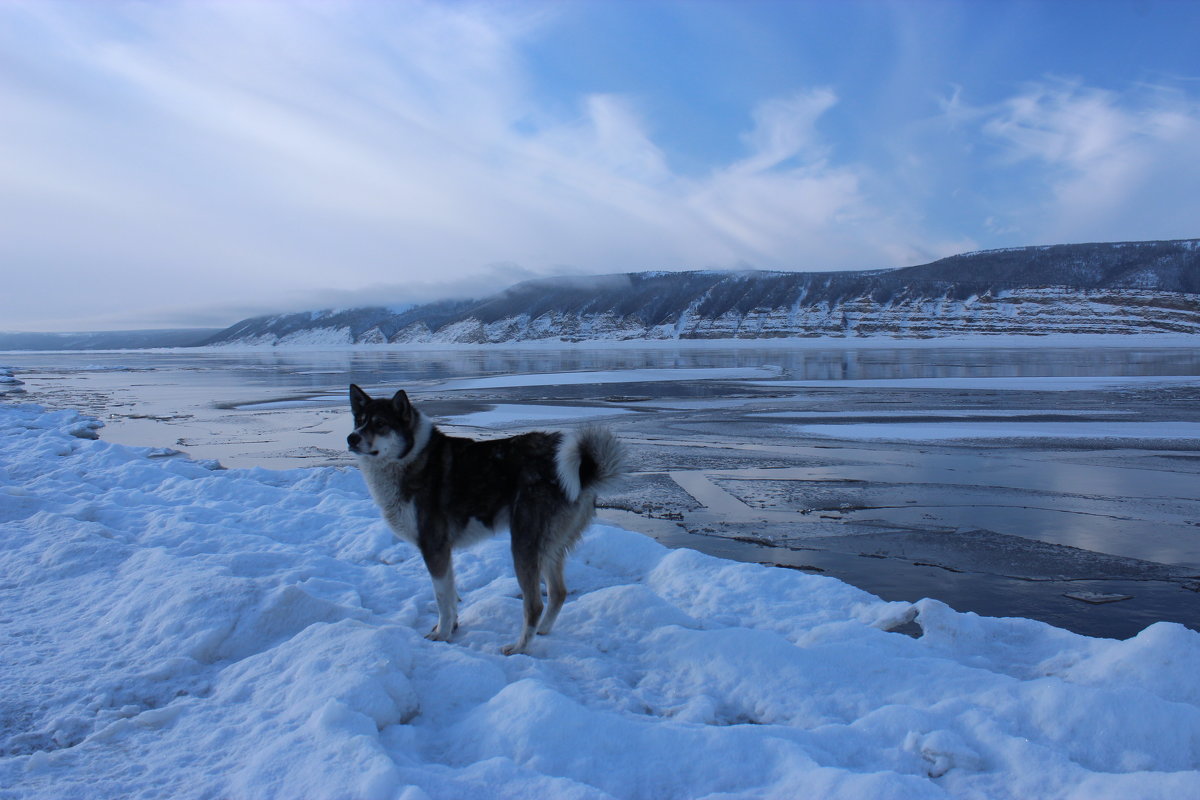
(321, 370)
(912, 501)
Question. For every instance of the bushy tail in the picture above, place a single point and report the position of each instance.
(590, 459)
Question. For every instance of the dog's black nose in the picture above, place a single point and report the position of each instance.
(353, 440)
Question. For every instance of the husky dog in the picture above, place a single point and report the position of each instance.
(440, 492)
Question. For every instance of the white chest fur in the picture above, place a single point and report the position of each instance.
(383, 481)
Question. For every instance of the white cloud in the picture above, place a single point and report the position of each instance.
(248, 153)
(786, 128)
(620, 145)
(1114, 165)
(261, 155)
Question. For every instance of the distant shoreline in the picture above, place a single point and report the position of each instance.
(1182, 340)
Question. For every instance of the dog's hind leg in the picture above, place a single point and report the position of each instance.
(441, 571)
(556, 586)
(570, 525)
(525, 563)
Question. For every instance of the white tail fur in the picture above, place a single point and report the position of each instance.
(605, 453)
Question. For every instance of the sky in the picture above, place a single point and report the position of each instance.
(178, 163)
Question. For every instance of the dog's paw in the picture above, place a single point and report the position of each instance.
(513, 649)
(436, 635)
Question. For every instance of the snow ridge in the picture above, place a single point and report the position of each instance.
(173, 629)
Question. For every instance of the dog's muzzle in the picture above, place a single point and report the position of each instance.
(354, 440)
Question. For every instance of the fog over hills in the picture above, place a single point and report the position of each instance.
(1122, 288)
(107, 340)
(1136, 287)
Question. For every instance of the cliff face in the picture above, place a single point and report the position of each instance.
(1143, 287)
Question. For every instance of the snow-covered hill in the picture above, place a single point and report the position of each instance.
(174, 630)
(1128, 288)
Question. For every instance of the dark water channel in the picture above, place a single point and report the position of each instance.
(997, 479)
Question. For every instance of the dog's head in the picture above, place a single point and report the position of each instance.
(388, 430)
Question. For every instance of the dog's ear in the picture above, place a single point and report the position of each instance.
(358, 399)
(402, 405)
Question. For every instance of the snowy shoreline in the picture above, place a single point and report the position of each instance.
(175, 630)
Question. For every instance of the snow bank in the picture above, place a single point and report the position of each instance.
(175, 630)
(9, 383)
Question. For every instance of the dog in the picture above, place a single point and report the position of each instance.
(441, 492)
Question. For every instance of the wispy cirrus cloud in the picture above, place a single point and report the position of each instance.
(1108, 165)
(156, 157)
(221, 149)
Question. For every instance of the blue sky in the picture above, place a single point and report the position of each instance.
(190, 163)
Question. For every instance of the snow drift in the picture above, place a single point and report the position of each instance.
(172, 629)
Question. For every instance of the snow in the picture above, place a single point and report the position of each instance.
(594, 377)
(9, 384)
(175, 630)
(266, 405)
(943, 431)
(1042, 383)
(502, 414)
(953, 413)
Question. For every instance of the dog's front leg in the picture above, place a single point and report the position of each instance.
(441, 570)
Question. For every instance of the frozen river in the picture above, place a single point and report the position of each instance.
(1060, 483)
